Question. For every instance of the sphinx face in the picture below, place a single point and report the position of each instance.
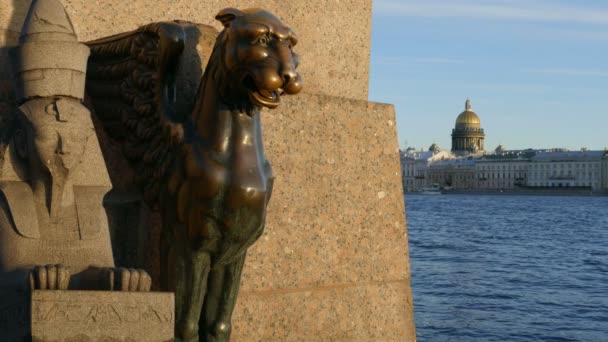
(57, 148)
(56, 139)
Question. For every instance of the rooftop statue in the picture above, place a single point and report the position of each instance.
(204, 168)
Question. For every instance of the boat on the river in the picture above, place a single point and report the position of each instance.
(433, 189)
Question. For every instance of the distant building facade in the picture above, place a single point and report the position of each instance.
(468, 166)
(567, 169)
(407, 172)
(455, 174)
(605, 171)
(499, 173)
(415, 165)
(534, 170)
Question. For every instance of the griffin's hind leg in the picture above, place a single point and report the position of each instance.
(222, 292)
(190, 293)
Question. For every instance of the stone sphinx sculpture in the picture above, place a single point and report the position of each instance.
(55, 218)
(53, 226)
(203, 168)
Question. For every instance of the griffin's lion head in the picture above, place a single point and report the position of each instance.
(257, 57)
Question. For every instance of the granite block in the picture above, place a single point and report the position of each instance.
(337, 211)
(364, 312)
(333, 34)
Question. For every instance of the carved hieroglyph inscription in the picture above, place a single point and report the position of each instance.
(60, 315)
(99, 313)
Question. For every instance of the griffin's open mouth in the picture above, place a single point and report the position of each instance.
(262, 97)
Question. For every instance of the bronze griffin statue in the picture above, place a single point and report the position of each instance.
(203, 169)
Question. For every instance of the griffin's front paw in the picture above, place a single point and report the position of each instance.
(221, 332)
(129, 279)
(50, 277)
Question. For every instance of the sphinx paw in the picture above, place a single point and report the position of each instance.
(50, 277)
(129, 279)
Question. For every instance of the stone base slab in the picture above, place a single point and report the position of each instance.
(102, 316)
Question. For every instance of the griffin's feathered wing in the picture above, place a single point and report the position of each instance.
(131, 84)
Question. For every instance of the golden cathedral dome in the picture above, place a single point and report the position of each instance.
(468, 117)
(467, 136)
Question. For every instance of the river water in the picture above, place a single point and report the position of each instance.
(509, 268)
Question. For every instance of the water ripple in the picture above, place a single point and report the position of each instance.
(509, 268)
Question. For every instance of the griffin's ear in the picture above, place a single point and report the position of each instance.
(227, 15)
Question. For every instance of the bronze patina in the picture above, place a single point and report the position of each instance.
(203, 169)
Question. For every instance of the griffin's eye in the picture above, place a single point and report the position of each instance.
(262, 40)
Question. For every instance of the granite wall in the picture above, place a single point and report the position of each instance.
(335, 49)
(333, 262)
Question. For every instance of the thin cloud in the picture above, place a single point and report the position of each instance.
(404, 62)
(492, 9)
(570, 72)
(437, 60)
(554, 34)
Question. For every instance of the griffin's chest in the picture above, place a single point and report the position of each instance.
(235, 168)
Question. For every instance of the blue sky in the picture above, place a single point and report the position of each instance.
(536, 70)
